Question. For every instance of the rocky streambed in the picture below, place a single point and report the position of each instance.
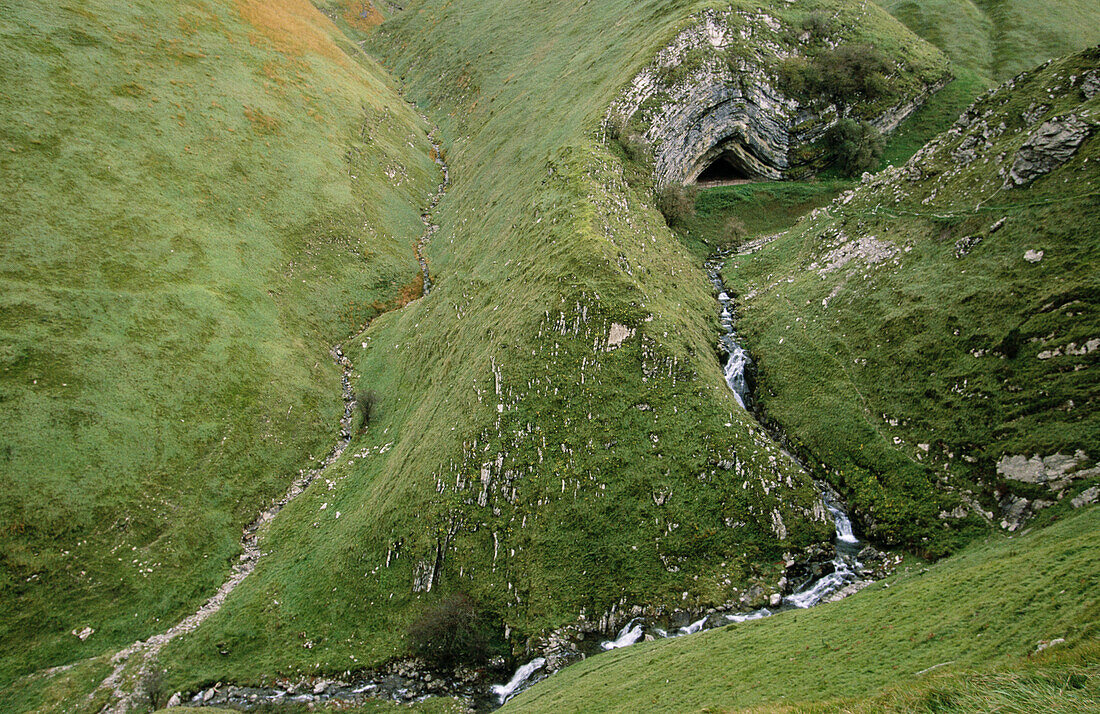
(430, 227)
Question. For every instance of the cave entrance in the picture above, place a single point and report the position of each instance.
(724, 170)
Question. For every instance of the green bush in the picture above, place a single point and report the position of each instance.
(733, 231)
(854, 146)
(842, 76)
(453, 632)
(677, 204)
(366, 401)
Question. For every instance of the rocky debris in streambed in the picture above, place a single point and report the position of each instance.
(821, 574)
(405, 681)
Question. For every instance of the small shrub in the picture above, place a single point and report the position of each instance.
(152, 684)
(733, 231)
(818, 24)
(854, 146)
(1011, 344)
(366, 401)
(677, 204)
(453, 632)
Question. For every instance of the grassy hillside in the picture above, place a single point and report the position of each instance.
(909, 342)
(199, 199)
(553, 435)
(975, 618)
(999, 38)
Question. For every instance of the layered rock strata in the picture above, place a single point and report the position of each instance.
(712, 94)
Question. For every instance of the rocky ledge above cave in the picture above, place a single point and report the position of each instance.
(711, 108)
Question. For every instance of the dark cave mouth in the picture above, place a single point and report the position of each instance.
(724, 170)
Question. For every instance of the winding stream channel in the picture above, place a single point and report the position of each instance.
(845, 565)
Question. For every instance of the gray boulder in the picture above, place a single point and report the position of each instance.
(1053, 144)
(1089, 495)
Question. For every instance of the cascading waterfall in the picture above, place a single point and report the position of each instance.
(845, 566)
(521, 678)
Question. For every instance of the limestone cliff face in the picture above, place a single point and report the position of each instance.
(713, 92)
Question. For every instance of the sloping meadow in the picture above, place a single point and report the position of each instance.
(199, 199)
(552, 433)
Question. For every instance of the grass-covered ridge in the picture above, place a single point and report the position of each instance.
(199, 199)
(909, 341)
(923, 640)
(999, 38)
(553, 435)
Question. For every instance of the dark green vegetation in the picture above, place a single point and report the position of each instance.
(855, 146)
(905, 315)
(196, 206)
(980, 615)
(455, 631)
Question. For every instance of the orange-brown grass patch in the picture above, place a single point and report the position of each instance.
(360, 14)
(261, 123)
(292, 26)
(411, 291)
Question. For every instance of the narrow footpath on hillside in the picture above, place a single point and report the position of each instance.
(134, 666)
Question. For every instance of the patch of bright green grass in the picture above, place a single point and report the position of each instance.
(987, 607)
(199, 199)
(758, 209)
(936, 116)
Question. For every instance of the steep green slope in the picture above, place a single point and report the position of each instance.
(925, 336)
(999, 38)
(552, 435)
(198, 199)
(990, 606)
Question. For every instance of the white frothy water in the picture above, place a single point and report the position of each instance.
(627, 636)
(845, 564)
(505, 692)
(843, 525)
(694, 627)
(737, 360)
(754, 615)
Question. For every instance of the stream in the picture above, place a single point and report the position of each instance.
(431, 227)
(845, 566)
(126, 672)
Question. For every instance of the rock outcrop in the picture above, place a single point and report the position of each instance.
(1053, 144)
(712, 94)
